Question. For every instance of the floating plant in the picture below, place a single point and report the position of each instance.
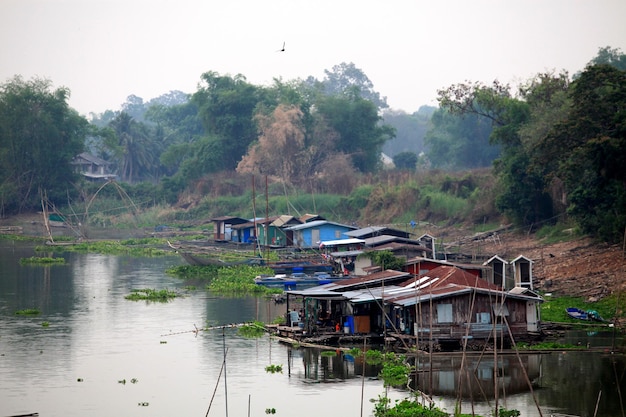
(272, 369)
(28, 312)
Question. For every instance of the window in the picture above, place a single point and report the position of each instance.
(483, 318)
(444, 313)
(500, 310)
(337, 234)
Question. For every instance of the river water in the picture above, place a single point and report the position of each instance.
(103, 355)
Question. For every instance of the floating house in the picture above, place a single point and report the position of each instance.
(243, 233)
(445, 308)
(223, 227)
(274, 231)
(343, 253)
(310, 235)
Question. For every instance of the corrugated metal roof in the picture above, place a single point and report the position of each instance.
(346, 253)
(338, 242)
(365, 231)
(317, 223)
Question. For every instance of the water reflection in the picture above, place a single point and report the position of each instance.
(476, 376)
(97, 338)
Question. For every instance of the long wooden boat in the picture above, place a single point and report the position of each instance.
(290, 266)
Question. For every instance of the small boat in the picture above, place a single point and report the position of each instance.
(297, 279)
(577, 313)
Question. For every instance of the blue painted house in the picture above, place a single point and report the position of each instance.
(243, 233)
(310, 235)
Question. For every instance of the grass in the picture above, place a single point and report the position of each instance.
(28, 312)
(554, 309)
(239, 280)
(252, 330)
(561, 232)
(133, 247)
(151, 295)
(547, 346)
(42, 260)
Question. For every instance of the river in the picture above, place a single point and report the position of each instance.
(92, 352)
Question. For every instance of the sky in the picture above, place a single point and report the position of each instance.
(106, 50)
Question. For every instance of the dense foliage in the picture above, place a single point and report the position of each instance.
(39, 137)
(563, 146)
(556, 144)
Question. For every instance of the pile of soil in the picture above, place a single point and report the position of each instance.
(580, 267)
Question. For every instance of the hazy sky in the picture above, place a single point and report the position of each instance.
(105, 50)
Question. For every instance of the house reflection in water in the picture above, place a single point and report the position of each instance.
(477, 379)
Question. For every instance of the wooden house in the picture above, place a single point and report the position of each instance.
(274, 231)
(399, 246)
(310, 235)
(307, 218)
(443, 308)
(243, 232)
(420, 265)
(449, 306)
(522, 272)
(498, 268)
(222, 227)
(343, 253)
(92, 167)
(428, 241)
(352, 303)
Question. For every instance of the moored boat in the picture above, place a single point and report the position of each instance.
(577, 313)
(580, 314)
(298, 279)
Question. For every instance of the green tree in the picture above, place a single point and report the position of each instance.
(181, 129)
(135, 147)
(226, 106)
(387, 260)
(457, 142)
(360, 133)
(589, 150)
(405, 160)
(610, 56)
(523, 194)
(410, 130)
(348, 80)
(39, 137)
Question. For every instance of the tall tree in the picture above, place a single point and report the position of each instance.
(361, 135)
(134, 147)
(588, 149)
(524, 195)
(410, 130)
(39, 137)
(226, 106)
(348, 80)
(405, 160)
(457, 142)
(280, 147)
(610, 56)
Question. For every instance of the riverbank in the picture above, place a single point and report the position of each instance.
(575, 267)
